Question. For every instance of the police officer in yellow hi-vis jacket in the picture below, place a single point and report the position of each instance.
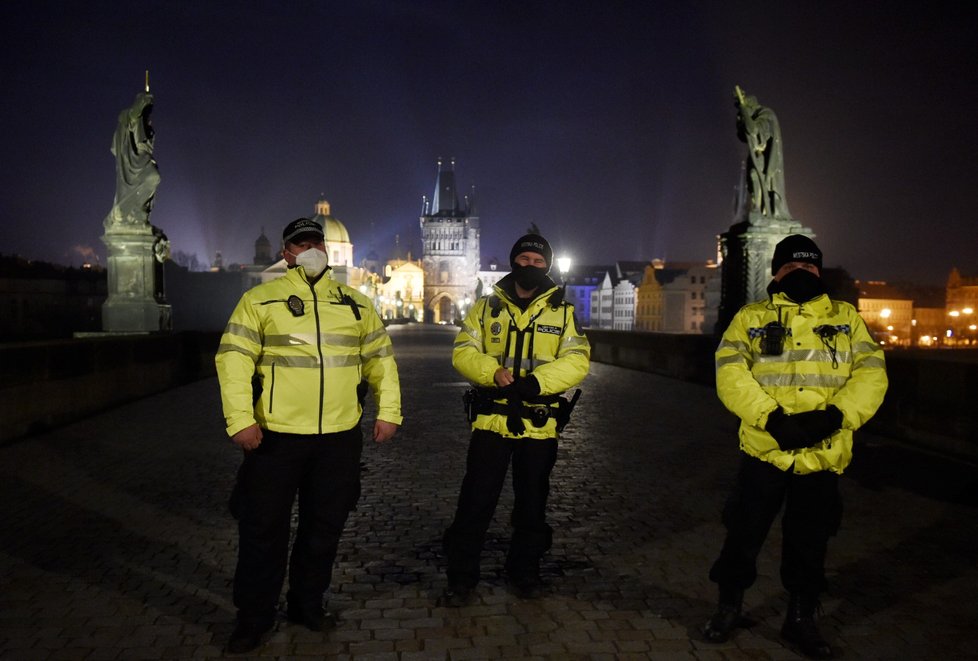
(290, 362)
(801, 371)
(521, 348)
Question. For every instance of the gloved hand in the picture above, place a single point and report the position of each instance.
(514, 416)
(527, 387)
(786, 431)
(819, 425)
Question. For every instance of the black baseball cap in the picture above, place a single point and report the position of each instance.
(300, 227)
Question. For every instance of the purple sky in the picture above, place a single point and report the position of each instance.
(608, 124)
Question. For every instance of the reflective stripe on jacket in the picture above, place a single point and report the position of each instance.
(308, 365)
(553, 349)
(846, 370)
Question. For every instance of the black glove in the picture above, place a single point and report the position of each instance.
(527, 388)
(514, 416)
(786, 431)
(514, 409)
(819, 425)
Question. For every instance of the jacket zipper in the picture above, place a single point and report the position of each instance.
(271, 391)
(319, 348)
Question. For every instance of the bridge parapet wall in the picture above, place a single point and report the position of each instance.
(930, 401)
(47, 384)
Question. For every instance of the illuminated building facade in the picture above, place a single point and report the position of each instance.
(680, 298)
(962, 309)
(887, 311)
(401, 293)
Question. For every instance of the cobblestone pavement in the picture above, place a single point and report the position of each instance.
(116, 543)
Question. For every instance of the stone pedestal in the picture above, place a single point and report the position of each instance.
(747, 248)
(132, 304)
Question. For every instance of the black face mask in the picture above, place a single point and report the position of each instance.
(800, 286)
(529, 277)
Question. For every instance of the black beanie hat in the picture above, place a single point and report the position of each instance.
(532, 243)
(796, 248)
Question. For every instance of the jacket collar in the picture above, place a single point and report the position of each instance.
(297, 275)
(819, 305)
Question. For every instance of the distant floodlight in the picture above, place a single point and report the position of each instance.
(563, 264)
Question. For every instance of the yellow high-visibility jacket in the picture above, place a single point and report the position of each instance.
(551, 347)
(309, 364)
(829, 358)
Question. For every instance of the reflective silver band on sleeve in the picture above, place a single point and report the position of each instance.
(374, 336)
(729, 360)
(240, 330)
(573, 341)
(736, 345)
(380, 352)
(225, 348)
(870, 361)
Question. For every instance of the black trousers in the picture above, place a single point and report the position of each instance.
(813, 510)
(488, 460)
(324, 470)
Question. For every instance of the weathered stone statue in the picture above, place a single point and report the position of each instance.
(758, 127)
(137, 250)
(137, 175)
(761, 217)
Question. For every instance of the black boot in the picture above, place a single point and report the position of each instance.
(727, 616)
(247, 636)
(799, 627)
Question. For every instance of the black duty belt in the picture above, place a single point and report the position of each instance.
(537, 415)
(538, 410)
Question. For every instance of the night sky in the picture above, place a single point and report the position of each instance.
(610, 125)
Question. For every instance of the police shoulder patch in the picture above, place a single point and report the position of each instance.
(544, 328)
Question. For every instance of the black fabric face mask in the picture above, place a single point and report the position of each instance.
(799, 285)
(529, 277)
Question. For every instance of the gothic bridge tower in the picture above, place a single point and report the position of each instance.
(450, 247)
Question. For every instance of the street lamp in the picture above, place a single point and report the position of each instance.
(563, 265)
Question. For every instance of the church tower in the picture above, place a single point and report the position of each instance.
(450, 246)
(263, 250)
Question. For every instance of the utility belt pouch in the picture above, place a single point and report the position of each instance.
(476, 401)
(565, 408)
(468, 403)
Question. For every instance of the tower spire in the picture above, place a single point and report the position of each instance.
(445, 199)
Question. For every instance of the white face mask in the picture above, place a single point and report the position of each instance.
(314, 261)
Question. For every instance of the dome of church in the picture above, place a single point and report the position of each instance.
(334, 230)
